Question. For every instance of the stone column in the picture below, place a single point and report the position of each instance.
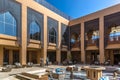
(23, 49)
(10, 57)
(69, 55)
(38, 56)
(82, 43)
(58, 56)
(45, 34)
(1, 55)
(58, 52)
(101, 40)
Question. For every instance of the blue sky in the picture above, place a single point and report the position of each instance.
(78, 8)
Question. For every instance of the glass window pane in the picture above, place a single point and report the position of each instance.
(34, 31)
(1, 17)
(1, 28)
(14, 34)
(9, 29)
(8, 18)
(15, 24)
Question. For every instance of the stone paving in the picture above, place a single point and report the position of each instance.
(108, 73)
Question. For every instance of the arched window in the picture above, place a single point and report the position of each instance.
(7, 24)
(52, 35)
(34, 31)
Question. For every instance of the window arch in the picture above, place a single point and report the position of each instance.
(8, 24)
(35, 31)
(52, 35)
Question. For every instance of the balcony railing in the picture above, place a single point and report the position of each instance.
(76, 44)
(91, 42)
(114, 40)
(52, 8)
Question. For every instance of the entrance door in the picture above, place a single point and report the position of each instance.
(116, 59)
(63, 56)
(76, 57)
(6, 57)
(15, 56)
(51, 56)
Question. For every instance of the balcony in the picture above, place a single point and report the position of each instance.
(114, 40)
(76, 44)
(91, 42)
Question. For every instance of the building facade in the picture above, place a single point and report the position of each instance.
(29, 30)
(33, 29)
(98, 36)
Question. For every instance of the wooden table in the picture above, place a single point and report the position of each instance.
(94, 73)
(59, 76)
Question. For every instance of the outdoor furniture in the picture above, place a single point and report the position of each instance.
(58, 73)
(96, 62)
(7, 68)
(29, 76)
(74, 70)
(94, 73)
(18, 65)
(29, 64)
(33, 75)
(119, 63)
(117, 70)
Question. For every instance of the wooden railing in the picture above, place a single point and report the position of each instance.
(92, 42)
(76, 44)
(114, 40)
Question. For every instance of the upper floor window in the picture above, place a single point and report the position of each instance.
(52, 35)
(115, 33)
(95, 35)
(63, 40)
(7, 24)
(74, 38)
(34, 31)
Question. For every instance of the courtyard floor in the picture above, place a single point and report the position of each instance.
(7, 75)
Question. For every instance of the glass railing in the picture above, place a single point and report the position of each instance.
(52, 8)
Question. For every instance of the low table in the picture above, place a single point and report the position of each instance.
(94, 73)
(59, 76)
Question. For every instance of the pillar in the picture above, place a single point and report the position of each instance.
(44, 47)
(10, 57)
(101, 40)
(38, 57)
(23, 49)
(69, 55)
(58, 56)
(58, 52)
(112, 57)
(1, 55)
(82, 43)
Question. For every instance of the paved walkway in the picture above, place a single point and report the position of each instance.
(3, 75)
